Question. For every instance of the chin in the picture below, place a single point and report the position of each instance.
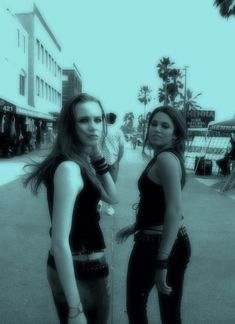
(156, 143)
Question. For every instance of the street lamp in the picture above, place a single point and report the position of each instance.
(185, 85)
(185, 91)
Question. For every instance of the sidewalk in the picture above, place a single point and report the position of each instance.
(209, 284)
(12, 168)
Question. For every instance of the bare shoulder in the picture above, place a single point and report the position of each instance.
(168, 161)
(68, 173)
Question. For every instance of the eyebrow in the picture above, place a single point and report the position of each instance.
(164, 122)
(87, 116)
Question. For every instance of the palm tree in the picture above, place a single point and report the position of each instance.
(190, 102)
(144, 97)
(226, 7)
(128, 119)
(171, 81)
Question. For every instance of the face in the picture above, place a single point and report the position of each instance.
(89, 124)
(161, 131)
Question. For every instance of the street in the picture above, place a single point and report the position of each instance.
(209, 216)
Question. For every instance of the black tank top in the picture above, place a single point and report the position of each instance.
(152, 205)
(85, 235)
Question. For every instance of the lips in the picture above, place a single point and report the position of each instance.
(156, 136)
(93, 136)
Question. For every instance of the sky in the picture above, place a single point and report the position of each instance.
(116, 45)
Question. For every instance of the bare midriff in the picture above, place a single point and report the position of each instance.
(157, 229)
(86, 256)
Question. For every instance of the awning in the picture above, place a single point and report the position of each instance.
(33, 113)
(224, 126)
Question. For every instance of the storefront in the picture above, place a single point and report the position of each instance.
(23, 129)
(7, 126)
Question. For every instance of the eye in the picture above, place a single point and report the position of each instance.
(165, 126)
(98, 120)
(154, 123)
(83, 120)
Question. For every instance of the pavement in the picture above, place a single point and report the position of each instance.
(24, 222)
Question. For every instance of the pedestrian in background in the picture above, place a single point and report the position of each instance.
(134, 141)
(161, 249)
(76, 177)
(113, 150)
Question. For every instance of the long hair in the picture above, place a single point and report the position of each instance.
(66, 144)
(180, 131)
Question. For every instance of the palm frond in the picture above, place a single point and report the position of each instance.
(226, 7)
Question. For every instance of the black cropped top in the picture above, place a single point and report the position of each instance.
(152, 205)
(85, 235)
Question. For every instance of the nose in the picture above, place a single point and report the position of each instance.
(92, 125)
(157, 128)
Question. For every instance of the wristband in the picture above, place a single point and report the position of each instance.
(162, 252)
(98, 161)
(100, 166)
(161, 264)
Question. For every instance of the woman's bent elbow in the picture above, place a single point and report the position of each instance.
(114, 201)
(58, 248)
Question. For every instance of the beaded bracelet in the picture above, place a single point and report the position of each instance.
(161, 264)
(77, 311)
(163, 252)
(100, 166)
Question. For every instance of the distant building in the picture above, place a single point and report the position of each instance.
(30, 79)
(13, 64)
(71, 83)
(45, 72)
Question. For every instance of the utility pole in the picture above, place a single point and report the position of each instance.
(185, 89)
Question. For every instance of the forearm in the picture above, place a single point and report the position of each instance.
(121, 152)
(65, 269)
(170, 230)
(109, 187)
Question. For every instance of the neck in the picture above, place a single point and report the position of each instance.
(159, 149)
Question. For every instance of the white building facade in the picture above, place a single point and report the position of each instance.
(13, 63)
(30, 80)
(45, 73)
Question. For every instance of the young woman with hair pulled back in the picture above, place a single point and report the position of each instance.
(161, 245)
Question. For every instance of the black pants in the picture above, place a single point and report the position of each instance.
(140, 278)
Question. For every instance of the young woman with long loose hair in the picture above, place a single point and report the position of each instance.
(76, 177)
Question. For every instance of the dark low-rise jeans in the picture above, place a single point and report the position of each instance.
(141, 273)
(93, 287)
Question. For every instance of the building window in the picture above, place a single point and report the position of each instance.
(38, 49)
(42, 50)
(22, 85)
(42, 88)
(38, 86)
(46, 90)
(24, 43)
(49, 93)
(18, 37)
(52, 63)
(46, 54)
(49, 62)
